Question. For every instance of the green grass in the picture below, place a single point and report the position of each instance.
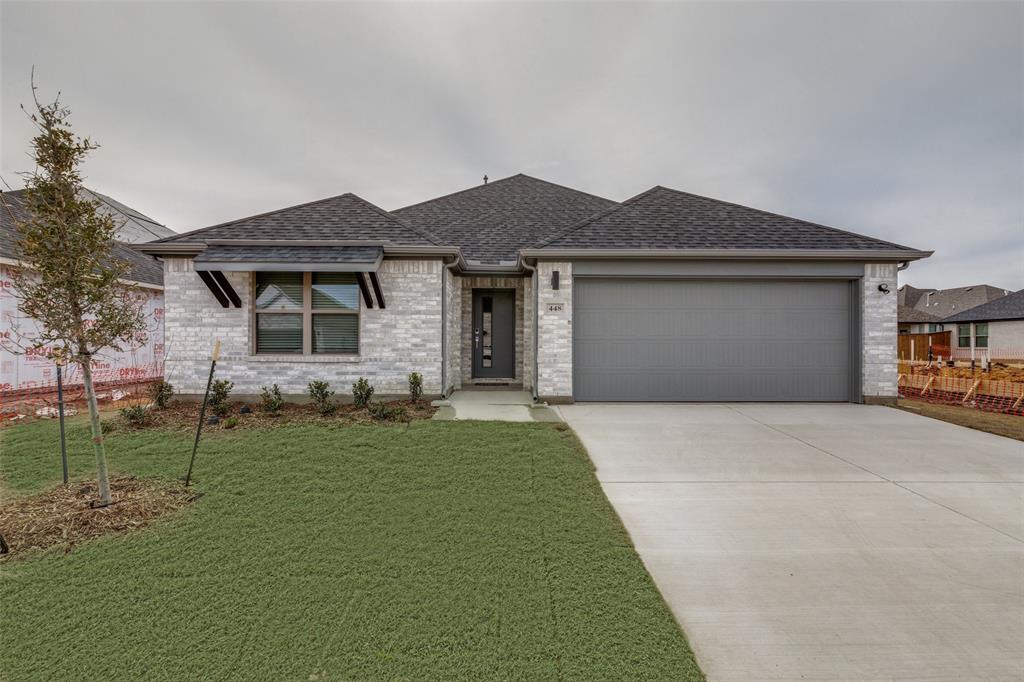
(445, 551)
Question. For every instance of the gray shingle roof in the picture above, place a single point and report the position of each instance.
(663, 218)
(945, 302)
(1010, 307)
(905, 313)
(143, 268)
(223, 253)
(492, 222)
(337, 218)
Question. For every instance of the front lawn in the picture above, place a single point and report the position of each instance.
(442, 550)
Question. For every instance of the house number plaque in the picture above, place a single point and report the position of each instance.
(555, 307)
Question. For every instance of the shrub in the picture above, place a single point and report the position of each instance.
(230, 422)
(271, 400)
(136, 415)
(322, 395)
(362, 392)
(161, 392)
(220, 389)
(386, 413)
(415, 385)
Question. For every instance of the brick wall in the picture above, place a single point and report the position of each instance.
(404, 337)
(453, 333)
(554, 333)
(878, 324)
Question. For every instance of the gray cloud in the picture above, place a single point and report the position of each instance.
(903, 121)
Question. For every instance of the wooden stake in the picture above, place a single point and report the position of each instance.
(927, 385)
(976, 384)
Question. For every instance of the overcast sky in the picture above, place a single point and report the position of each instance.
(902, 121)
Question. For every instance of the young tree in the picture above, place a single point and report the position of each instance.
(68, 279)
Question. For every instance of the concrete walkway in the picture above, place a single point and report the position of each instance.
(494, 405)
(823, 542)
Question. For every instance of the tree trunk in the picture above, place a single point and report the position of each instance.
(102, 477)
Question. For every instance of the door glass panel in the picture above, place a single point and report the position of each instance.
(487, 308)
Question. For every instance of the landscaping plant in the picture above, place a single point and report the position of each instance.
(230, 422)
(69, 280)
(362, 393)
(415, 385)
(136, 415)
(220, 389)
(323, 397)
(386, 413)
(161, 392)
(271, 400)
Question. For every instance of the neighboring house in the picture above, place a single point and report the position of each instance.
(994, 330)
(914, 321)
(665, 296)
(921, 311)
(21, 372)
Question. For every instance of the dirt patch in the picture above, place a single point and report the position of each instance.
(184, 415)
(1007, 425)
(64, 516)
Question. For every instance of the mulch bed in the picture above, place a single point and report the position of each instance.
(182, 415)
(64, 516)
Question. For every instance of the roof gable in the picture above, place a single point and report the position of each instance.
(144, 268)
(946, 302)
(344, 217)
(493, 221)
(1009, 307)
(663, 218)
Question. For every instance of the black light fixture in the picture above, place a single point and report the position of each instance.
(554, 279)
(883, 287)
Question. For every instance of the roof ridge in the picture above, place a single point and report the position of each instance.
(499, 181)
(458, 192)
(600, 214)
(390, 216)
(248, 217)
(787, 217)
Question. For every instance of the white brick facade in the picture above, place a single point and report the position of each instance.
(404, 337)
(453, 333)
(878, 333)
(554, 333)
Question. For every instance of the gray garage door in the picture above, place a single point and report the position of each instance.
(711, 340)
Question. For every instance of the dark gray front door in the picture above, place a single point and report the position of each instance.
(707, 340)
(494, 334)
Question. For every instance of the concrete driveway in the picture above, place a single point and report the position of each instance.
(823, 542)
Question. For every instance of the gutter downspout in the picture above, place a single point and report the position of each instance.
(448, 267)
(532, 270)
(903, 266)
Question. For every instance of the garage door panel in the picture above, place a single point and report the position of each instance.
(711, 340)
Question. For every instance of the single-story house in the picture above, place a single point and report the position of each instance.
(921, 311)
(22, 373)
(994, 330)
(667, 296)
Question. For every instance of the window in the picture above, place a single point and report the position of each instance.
(981, 335)
(963, 336)
(932, 328)
(306, 312)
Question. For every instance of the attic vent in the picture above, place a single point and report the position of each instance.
(970, 288)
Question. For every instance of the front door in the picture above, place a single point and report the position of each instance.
(494, 334)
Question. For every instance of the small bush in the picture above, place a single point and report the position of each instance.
(271, 400)
(386, 413)
(136, 415)
(415, 385)
(362, 392)
(322, 395)
(230, 422)
(161, 392)
(220, 389)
